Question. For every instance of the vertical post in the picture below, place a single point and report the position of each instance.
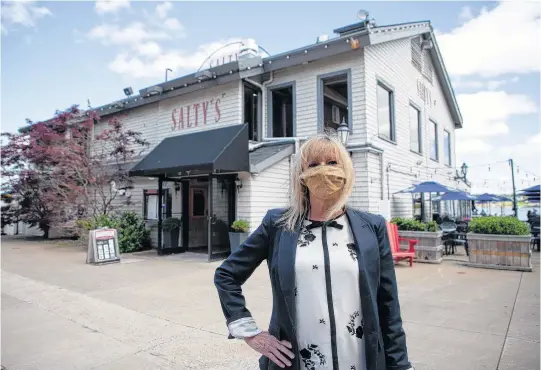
(160, 189)
(209, 218)
(515, 210)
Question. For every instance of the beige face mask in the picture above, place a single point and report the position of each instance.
(325, 181)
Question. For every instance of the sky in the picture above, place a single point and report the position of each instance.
(55, 54)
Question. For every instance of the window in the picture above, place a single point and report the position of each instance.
(336, 94)
(415, 129)
(251, 111)
(447, 147)
(385, 112)
(150, 204)
(434, 141)
(281, 115)
(199, 202)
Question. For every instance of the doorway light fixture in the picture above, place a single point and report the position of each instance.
(238, 183)
(343, 132)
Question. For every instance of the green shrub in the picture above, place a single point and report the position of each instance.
(407, 224)
(432, 226)
(499, 225)
(132, 233)
(240, 226)
(172, 223)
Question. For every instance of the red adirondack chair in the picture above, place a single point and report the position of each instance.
(395, 239)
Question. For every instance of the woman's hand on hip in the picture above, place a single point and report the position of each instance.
(269, 346)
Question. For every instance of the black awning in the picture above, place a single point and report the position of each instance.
(210, 151)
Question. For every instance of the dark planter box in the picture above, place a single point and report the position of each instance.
(170, 241)
(236, 239)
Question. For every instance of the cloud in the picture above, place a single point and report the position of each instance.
(132, 34)
(143, 51)
(24, 13)
(465, 13)
(496, 42)
(163, 9)
(111, 6)
(480, 84)
(486, 113)
(154, 65)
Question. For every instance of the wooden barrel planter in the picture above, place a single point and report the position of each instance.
(507, 252)
(429, 247)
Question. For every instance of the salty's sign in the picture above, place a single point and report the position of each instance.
(103, 246)
(196, 114)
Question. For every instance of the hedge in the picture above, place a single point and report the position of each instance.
(506, 225)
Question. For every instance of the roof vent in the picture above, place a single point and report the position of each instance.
(322, 38)
(249, 56)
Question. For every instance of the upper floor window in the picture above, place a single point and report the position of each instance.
(335, 94)
(251, 111)
(415, 129)
(385, 102)
(434, 141)
(281, 111)
(447, 147)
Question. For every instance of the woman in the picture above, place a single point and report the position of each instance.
(335, 299)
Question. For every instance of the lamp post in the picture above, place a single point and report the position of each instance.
(464, 170)
(167, 70)
(343, 132)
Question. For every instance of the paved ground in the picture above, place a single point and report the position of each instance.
(163, 313)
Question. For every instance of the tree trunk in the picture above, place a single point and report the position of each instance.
(45, 232)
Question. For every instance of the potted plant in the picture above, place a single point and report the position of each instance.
(239, 234)
(501, 242)
(429, 246)
(171, 232)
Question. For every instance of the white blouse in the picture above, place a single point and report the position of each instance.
(328, 303)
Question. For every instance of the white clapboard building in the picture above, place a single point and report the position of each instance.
(222, 139)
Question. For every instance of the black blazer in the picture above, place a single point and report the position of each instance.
(384, 335)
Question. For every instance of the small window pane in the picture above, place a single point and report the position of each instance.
(385, 118)
(198, 203)
(152, 207)
(434, 141)
(447, 147)
(415, 129)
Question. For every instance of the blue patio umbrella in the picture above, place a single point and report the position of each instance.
(503, 198)
(455, 195)
(486, 197)
(533, 189)
(427, 187)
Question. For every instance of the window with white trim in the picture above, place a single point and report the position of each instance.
(434, 141)
(447, 147)
(415, 129)
(385, 106)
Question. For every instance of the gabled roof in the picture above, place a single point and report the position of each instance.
(365, 33)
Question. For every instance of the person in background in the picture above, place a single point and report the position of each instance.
(335, 299)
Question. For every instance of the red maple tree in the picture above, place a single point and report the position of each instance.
(59, 172)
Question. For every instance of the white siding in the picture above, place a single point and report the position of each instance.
(268, 190)
(305, 77)
(154, 120)
(391, 63)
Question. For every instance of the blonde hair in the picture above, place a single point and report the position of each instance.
(319, 148)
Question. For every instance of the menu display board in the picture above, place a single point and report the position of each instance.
(103, 246)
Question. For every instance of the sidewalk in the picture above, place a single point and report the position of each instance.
(152, 312)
